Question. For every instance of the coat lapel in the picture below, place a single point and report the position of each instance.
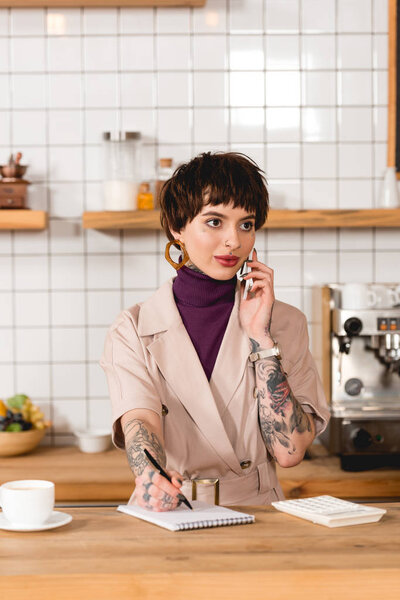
(180, 365)
(232, 359)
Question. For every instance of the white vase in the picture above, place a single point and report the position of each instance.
(389, 196)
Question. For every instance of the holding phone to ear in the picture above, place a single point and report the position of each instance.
(243, 271)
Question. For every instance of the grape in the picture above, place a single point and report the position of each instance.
(17, 401)
(14, 427)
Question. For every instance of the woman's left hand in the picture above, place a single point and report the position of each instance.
(255, 312)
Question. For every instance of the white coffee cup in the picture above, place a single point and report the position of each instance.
(386, 297)
(397, 294)
(27, 501)
(358, 296)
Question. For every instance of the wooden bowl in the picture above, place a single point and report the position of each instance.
(13, 443)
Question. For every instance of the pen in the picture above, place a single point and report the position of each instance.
(164, 474)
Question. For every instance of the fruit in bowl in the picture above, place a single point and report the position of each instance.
(22, 425)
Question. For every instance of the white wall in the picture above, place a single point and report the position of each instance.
(299, 85)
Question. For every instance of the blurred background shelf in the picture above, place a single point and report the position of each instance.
(22, 219)
(277, 219)
(99, 3)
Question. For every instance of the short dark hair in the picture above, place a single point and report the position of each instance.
(224, 177)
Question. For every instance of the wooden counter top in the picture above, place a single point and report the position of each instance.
(106, 477)
(105, 554)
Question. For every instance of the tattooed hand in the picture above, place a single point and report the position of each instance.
(256, 311)
(154, 492)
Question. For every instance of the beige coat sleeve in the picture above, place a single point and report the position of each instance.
(129, 383)
(305, 382)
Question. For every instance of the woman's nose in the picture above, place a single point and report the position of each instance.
(232, 239)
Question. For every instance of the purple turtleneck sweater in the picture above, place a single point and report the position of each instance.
(205, 305)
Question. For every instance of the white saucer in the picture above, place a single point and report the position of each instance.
(56, 520)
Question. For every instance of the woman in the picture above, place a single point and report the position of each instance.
(185, 377)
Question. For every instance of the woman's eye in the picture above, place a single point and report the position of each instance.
(250, 223)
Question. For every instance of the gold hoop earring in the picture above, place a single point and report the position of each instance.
(185, 256)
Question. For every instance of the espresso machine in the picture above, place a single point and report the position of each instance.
(358, 352)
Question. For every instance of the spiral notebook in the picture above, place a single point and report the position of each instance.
(203, 515)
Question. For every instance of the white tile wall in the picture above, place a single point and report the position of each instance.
(136, 20)
(6, 309)
(64, 22)
(299, 85)
(317, 16)
(283, 124)
(176, 20)
(4, 29)
(27, 22)
(101, 53)
(210, 52)
(5, 96)
(282, 52)
(246, 16)
(354, 15)
(27, 54)
(282, 17)
(354, 51)
(100, 20)
(246, 53)
(318, 51)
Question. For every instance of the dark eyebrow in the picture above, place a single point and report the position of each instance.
(217, 214)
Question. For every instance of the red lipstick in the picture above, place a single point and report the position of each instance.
(227, 260)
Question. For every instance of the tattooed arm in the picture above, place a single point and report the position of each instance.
(142, 429)
(286, 429)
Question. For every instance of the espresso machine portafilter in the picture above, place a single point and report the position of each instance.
(360, 356)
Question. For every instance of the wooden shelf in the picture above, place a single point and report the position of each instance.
(15, 218)
(98, 3)
(277, 219)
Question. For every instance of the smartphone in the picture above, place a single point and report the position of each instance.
(243, 271)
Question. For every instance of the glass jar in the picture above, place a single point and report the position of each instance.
(145, 197)
(164, 172)
(122, 168)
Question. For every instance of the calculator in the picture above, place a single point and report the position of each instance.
(330, 511)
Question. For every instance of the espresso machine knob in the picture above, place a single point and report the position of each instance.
(361, 439)
(353, 326)
(353, 386)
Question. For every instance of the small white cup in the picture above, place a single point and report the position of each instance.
(28, 502)
(95, 440)
(396, 291)
(358, 296)
(386, 297)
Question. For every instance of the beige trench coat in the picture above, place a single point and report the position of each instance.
(210, 427)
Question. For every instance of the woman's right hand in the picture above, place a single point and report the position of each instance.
(154, 492)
